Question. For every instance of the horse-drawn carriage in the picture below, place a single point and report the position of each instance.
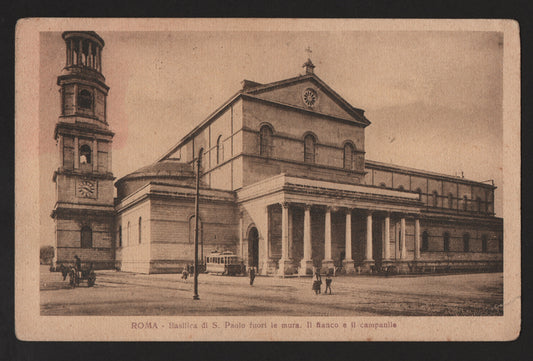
(75, 277)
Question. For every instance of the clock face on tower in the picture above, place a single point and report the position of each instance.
(86, 189)
(310, 97)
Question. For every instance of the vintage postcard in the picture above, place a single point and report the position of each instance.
(267, 179)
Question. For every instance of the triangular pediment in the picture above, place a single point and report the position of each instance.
(295, 92)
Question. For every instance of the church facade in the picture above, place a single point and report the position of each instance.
(284, 183)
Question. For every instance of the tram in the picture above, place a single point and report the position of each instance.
(225, 263)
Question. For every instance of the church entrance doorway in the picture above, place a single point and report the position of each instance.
(253, 247)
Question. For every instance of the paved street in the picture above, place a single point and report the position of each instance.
(121, 294)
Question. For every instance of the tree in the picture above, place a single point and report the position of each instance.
(47, 254)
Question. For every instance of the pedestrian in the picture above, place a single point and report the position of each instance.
(328, 283)
(185, 273)
(317, 274)
(317, 284)
(252, 275)
(77, 265)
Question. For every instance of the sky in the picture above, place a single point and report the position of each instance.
(434, 98)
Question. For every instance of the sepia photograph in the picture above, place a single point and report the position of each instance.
(219, 179)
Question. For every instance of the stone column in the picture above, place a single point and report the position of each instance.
(61, 145)
(368, 261)
(100, 58)
(80, 51)
(90, 57)
(306, 264)
(368, 251)
(327, 262)
(284, 262)
(72, 53)
(348, 262)
(109, 159)
(386, 243)
(75, 99)
(241, 238)
(95, 155)
(290, 236)
(403, 250)
(265, 252)
(76, 153)
(417, 238)
(68, 53)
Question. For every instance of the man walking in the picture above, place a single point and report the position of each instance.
(328, 283)
(252, 275)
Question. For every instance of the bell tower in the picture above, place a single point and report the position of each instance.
(84, 208)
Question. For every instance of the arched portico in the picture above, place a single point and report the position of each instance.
(253, 247)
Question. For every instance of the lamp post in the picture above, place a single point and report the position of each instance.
(196, 203)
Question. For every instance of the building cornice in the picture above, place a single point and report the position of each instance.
(172, 191)
(422, 173)
(83, 175)
(67, 209)
(81, 129)
(303, 110)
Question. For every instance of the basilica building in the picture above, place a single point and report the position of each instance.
(284, 184)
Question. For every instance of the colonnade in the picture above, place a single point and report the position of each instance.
(84, 52)
(306, 263)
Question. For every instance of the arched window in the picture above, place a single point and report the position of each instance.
(86, 237)
(478, 204)
(446, 237)
(192, 226)
(265, 141)
(383, 185)
(419, 191)
(435, 199)
(128, 238)
(466, 242)
(401, 188)
(220, 150)
(484, 243)
(85, 99)
(120, 236)
(140, 230)
(348, 156)
(85, 154)
(309, 149)
(465, 203)
(425, 241)
(450, 200)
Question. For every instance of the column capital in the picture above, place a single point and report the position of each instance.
(346, 210)
(284, 204)
(307, 207)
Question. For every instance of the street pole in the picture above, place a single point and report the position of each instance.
(197, 201)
